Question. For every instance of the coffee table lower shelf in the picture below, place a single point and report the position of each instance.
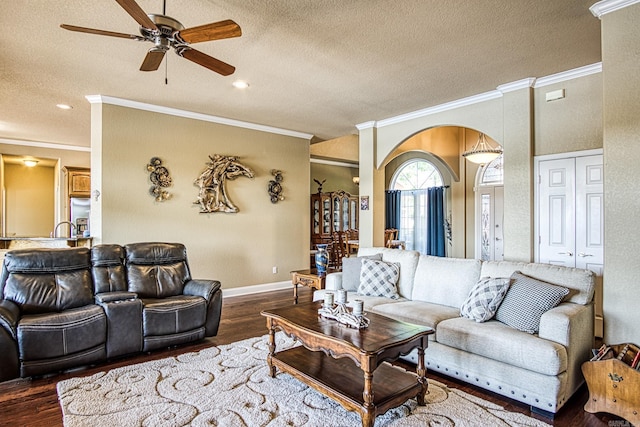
(343, 381)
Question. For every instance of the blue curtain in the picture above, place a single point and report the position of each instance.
(435, 221)
(392, 209)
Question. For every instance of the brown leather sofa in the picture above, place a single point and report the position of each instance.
(62, 308)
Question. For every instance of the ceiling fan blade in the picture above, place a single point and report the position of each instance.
(100, 32)
(137, 13)
(152, 60)
(214, 31)
(206, 61)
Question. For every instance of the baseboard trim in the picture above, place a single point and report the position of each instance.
(255, 289)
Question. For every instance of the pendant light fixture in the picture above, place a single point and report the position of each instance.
(482, 152)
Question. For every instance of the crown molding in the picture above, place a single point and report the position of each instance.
(103, 99)
(568, 75)
(494, 94)
(366, 125)
(517, 85)
(40, 144)
(334, 163)
(607, 6)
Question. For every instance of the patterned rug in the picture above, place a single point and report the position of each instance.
(230, 385)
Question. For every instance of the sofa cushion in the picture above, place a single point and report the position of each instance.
(379, 278)
(581, 283)
(500, 342)
(51, 335)
(484, 299)
(527, 300)
(408, 261)
(108, 268)
(351, 267)
(173, 315)
(445, 281)
(418, 312)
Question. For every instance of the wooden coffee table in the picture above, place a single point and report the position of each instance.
(340, 362)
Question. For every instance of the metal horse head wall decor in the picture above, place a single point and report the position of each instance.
(212, 196)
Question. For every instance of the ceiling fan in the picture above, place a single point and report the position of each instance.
(165, 32)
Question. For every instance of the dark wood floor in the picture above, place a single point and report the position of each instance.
(33, 402)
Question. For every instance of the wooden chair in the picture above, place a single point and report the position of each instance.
(352, 242)
(337, 250)
(391, 239)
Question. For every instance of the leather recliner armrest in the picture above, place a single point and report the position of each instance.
(107, 297)
(201, 288)
(9, 316)
(211, 292)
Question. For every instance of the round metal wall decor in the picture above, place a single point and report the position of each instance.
(275, 188)
(160, 178)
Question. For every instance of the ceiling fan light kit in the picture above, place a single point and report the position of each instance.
(166, 32)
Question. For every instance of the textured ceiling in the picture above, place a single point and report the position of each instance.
(315, 66)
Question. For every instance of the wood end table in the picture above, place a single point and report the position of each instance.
(308, 277)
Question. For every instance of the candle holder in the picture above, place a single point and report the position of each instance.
(340, 312)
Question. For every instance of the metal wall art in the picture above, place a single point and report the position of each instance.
(275, 188)
(212, 196)
(160, 178)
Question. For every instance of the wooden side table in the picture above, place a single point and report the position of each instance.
(308, 277)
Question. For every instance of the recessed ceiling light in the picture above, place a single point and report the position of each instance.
(64, 106)
(30, 162)
(240, 84)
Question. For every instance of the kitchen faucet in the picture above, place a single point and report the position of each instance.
(55, 230)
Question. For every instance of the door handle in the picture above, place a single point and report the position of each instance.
(566, 253)
(582, 254)
(498, 239)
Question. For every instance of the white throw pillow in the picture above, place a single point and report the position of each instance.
(527, 300)
(379, 279)
(484, 299)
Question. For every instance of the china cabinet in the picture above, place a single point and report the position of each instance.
(331, 212)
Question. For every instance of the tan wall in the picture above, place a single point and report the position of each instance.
(620, 59)
(64, 157)
(555, 130)
(238, 249)
(30, 200)
(343, 148)
(335, 178)
(512, 120)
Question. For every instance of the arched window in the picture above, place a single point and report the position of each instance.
(413, 179)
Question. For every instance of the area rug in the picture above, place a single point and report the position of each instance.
(230, 385)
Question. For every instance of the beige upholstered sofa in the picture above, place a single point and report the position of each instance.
(540, 369)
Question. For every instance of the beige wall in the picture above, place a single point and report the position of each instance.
(620, 59)
(335, 178)
(238, 249)
(343, 148)
(523, 123)
(64, 157)
(29, 198)
(554, 128)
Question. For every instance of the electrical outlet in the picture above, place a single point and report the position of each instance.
(275, 270)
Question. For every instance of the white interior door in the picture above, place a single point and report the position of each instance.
(590, 213)
(556, 212)
(571, 217)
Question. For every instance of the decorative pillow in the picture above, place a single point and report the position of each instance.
(351, 267)
(379, 279)
(484, 299)
(527, 300)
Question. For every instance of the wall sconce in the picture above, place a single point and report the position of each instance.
(356, 180)
(30, 163)
(482, 153)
